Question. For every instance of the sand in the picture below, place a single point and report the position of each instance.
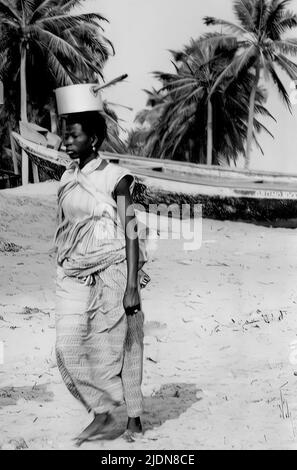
(220, 323)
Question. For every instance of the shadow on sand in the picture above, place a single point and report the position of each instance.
(168, 403)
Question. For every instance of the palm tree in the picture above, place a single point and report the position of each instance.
(114, 143)
(154, 106)
(261, 47)
(200, 69)
(145, 120)
(136, 141)
(52, 35)
(189, 123)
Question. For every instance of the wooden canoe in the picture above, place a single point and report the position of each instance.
(224, 193)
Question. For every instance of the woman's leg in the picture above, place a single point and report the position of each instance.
(104, 350)
(71, 327)
(89, 356)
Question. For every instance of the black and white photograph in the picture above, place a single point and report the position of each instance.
(148, 216)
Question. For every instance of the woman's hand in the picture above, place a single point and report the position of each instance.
(131, 299)
(143, 278)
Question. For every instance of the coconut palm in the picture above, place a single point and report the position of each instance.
(154, 107)
(136, 141)
(193, 125)
(114, 143)
(199, 70)
(145, 120)
(48, 35)
(259, 36)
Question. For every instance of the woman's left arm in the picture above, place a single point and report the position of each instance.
(128, 219)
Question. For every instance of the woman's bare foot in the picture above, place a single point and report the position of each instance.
(134, 428)
(95, 429)
(144, 278)
(134, 425)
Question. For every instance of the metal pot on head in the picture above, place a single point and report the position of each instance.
(78, 98)
(82, 97)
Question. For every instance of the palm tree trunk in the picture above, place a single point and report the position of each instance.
(23, 82)
(251, 119)
(24, 118)
(209, 132)
(53, 118)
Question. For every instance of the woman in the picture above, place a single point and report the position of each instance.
(99, 321)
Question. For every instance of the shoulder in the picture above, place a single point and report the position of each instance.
(115, 174)
(66, 176)
(115, 169)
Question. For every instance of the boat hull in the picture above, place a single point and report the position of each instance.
(248, 196)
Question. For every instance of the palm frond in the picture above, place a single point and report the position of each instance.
(286, 46)
(88, 36)
(141, 116)
(218, 39)
(9, 22)
(245, 60)
(62, 76)
(236, 29)
(276, 14)
(289, 67)
(260, 109)
(9, 12)
(3, 64)
(41, 9)
(225, 73)
(72, 20)
(288, 21)
(244, 11)
(27, 6)
(261, 14)
(112, 120)
(281, 89)
(58, 45)
(260, 127)
(68, 5)
(258, 143)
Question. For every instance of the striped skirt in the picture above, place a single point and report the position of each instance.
(99, 349)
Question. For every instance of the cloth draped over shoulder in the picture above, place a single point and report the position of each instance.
(90, 236)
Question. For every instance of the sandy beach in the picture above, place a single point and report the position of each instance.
(219, 365)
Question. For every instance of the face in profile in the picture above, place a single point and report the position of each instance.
(84, 134)
(78, 143)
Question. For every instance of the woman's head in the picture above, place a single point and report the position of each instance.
(85, 133)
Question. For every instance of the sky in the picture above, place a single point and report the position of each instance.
(143, 32)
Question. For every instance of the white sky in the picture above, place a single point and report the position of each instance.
(143, 31)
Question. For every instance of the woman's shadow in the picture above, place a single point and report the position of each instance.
(168, 403)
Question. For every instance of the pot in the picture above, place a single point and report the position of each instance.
(78, 98)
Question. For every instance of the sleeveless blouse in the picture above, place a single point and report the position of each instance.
(90, 236)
